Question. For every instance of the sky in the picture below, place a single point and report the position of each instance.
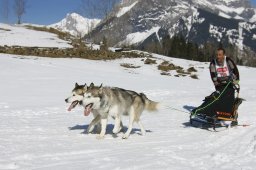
(47, 12)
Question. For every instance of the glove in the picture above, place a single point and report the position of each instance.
(236, 82)
(216, 83)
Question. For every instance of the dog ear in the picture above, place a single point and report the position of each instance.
(85, 88)
(101, 89)
(76, 85)
(91, 85)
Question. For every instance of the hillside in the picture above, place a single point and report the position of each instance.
(15, 35)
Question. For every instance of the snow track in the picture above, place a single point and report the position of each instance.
(36, 131)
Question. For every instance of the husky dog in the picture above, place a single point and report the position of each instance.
(77, 98)
(116, 102)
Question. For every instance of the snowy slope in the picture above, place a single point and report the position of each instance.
(36, 131)
(125, 9)
(12, 35)
(138, 37)
(76, 25)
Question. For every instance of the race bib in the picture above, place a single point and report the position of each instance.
(222, 71)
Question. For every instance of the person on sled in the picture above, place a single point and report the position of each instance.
(222, 70)
(220, 105)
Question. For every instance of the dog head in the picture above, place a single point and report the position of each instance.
(77, 96)
(92, 98)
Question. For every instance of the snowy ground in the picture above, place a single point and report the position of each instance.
(14, 35)
(36, 131)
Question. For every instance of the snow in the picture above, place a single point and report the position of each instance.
(36, 131)
(229, 1)
(228, 9)
(223, 6)
(216, 31)
(196, 18)
(126, 9)
(253, 19)
(14, 35)
(76, 25)
(204, 2)
(238, 17)
(137, 37)
(224, 15)
(241, 38)
(254, 36)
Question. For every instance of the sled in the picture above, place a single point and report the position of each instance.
(215, 115)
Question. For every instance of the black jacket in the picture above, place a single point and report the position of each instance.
(234, 73)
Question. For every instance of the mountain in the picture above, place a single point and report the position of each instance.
(139, 22)
(76, 25)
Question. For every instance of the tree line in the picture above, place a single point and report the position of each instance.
(178, 46)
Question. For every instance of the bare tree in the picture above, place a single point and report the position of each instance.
(89, 9)
(5, 10)
(19, 9)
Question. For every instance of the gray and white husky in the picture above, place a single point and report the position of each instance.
(116, 102)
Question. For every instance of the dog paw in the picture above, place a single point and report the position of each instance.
(143, 133)
(89, 131)
(125, 136)
(116, 131)
(99, 137)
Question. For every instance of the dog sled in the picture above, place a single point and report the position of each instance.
(219, 110)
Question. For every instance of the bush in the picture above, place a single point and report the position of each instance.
(149, 61)
(166, 66)
(194, 76)
(127, 65)
(191, 69)
(166, 74)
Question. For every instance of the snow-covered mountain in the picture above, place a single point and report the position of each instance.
(141, 21)
(76, 25)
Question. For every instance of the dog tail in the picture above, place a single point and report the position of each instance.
(150, 105)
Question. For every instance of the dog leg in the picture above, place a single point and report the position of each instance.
(117, 127)
(129, 130)
(94, 122)
(143, 132)
(98, 128)
(103, 128)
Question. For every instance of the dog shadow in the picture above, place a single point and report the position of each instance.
(109, 129)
